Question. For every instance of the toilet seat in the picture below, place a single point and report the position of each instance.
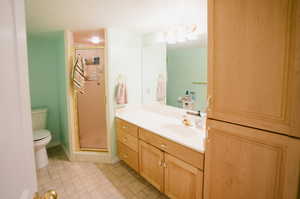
(41, 134)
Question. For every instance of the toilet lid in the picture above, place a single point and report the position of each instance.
(40, 134)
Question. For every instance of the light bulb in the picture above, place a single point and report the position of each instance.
(95, 40)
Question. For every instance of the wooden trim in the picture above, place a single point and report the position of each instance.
(91, 149)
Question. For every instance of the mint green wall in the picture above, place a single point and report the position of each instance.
(184, 66)
(47, 81)
(63, 82)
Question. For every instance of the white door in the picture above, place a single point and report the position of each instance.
(17, 169)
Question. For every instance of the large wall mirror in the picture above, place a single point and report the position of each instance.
(187, 75)
(174, 61)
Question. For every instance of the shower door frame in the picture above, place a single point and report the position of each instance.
(75, 100)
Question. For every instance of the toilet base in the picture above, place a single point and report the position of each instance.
(41, 158)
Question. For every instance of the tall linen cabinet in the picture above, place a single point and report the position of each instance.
(253, 145)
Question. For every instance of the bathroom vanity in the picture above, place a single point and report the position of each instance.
(153, 141)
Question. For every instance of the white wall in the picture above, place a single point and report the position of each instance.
(124, 57)
(154, 63)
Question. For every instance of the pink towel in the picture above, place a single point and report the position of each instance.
(161, 90)
(121, 96)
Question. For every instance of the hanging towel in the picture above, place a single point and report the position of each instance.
(121, 95)
(161, 89)
(78, 77)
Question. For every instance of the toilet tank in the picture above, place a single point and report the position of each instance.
(39, 118)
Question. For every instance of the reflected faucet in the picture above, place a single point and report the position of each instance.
(194, 113)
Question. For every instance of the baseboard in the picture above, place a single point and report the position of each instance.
(67, 152)
(89, 156)
(53, 144)
(115, 159)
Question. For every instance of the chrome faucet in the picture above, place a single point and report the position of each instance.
(194, 113)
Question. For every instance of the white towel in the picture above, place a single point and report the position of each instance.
(161, 89)
(121, 95)
(78, 77)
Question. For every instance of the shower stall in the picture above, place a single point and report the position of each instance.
(90, 104)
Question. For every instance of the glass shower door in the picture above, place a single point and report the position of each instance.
(91, 105)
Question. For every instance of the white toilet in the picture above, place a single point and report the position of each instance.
(41, 136)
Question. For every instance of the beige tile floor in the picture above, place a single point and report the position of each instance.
(80, 180)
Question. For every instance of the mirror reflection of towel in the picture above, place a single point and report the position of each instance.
(121, 96)
(161, 89)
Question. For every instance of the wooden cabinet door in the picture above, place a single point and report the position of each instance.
(150, 164)
(246, 163)
(254, 63)
(182, 180)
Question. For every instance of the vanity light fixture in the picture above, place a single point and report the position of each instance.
(179, 34)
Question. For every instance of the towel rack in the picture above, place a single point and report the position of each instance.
(121, 78)
(200, 83)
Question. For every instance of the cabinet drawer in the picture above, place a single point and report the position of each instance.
(128, 155)
(128, 140)
(127, 127)
(186, 154)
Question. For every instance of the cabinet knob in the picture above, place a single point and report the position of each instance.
(125, 156)
(124, 139)
(160, 163)
(163, 146)
(165, 165)
(125, 127)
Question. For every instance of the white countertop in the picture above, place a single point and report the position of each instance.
(165, 121)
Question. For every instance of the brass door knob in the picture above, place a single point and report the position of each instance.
(51, 194)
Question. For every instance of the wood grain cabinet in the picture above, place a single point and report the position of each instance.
(253, 147)
(128, 155)
(254, 63)
(182, 180)
(151, 164)
(170, 167)
(127, 142)
(181, 152)
(246, 163)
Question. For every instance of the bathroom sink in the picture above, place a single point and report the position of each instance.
(181, 130)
